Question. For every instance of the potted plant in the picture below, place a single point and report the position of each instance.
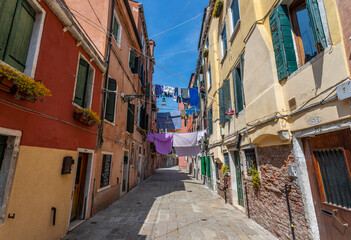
(225, 170)
(255, 181)
(218, 8)
(20, 85)
(87, 116)
(205, 53)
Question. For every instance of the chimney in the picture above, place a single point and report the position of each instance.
(152, 46)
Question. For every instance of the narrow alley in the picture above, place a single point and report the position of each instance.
(170, 205)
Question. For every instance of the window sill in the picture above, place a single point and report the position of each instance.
(104, 188)
(111, 123)
(242, 112)
(235, 30)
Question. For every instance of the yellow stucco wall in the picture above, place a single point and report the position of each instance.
(37, 187)
(265, 96)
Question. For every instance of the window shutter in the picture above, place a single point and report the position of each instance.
(111, 100)
(221, 106)
(81, 83)
(142, 118)
(203, 166)
(7, 12)
(208, 161)
(227, 101)
(147, 122)
(21, 32)
(316, 24)
(210, 123)
(115, 29)
(3, 141)
(130, 118)
(283, 44)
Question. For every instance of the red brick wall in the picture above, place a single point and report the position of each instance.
(268, 205)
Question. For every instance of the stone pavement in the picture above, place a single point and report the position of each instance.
(169, 205)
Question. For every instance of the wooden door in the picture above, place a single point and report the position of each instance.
(125, 174)
(79, 186)
(239, 182)
(328, 159)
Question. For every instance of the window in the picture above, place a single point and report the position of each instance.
(305, 16)
(17, 19)
(210, 122)
(143, 43)
(105, 170)
(3, 143)
(239, 99)
(117, 30)
(138, 114)
(251, 162)
(235, 15)
(130, 118)
(133, 62)
(209, 80)
(308, 31)
(207, 43)
(332, 163)
(226, 160)
(84, 85)
(224, 40)
(111, 100)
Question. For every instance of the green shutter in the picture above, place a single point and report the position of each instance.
(208, 167)
(115, 29)
(283, 44)
(221, 105)
(238, 90)
(3, 141)
(111, 100)
(7, 13)
(226, 100)
(316, 24)
(81, 84)
(203, 166)
(17, 47)
(130, 118)
(210, 123)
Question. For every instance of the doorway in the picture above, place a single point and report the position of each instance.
(328, 159)
(239, 182)
(79, 201)
(125, 173)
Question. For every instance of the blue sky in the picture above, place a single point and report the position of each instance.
(176, 50)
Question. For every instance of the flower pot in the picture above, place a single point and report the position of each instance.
(84, 119)
(7, 86)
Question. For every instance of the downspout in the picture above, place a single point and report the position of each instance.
(104, 99)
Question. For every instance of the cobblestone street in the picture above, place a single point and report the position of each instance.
(170, 205)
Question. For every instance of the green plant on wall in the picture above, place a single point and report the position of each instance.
(255, 180)
(225, 169)
(218, 8)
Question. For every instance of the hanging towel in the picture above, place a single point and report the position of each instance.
(185, 140)
(185, 93)
(163, 143)
(201, 135)
(171, 91)
(187, 151)
(161, 121)
(174, 120)
(158, 90)
(194, 97)
(176, 92)
(150, 137)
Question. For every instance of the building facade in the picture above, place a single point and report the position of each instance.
(280, 66)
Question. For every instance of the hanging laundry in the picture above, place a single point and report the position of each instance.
(175, 130)
(153, 88)
(185, 93)
(194, 97)
(158, 90)
(231, 112)
(171, 91)
(179, 99)
(185, 140)
(187, 151)
(174, 120)
(161, 121)
(163, 143)
(150, 137)
(192, 110)
(165, 90)
(176, 92)
(201, 135)
(183, 113)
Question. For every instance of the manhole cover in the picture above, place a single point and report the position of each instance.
(93, 223)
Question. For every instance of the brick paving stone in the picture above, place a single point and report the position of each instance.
(170, 205)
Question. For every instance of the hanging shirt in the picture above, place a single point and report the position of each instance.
(185, 93)
(174, 120)
(162, 119)
(171, 91)
(158, 90)
(194, 97)
(163, 143)
(192, 111)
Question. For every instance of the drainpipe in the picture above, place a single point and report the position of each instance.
(287, 191)
(104, 99)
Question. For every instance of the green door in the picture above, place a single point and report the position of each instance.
(239, 182)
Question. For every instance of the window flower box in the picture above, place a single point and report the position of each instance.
(87, 116)
(20, 85)
(218, 8)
